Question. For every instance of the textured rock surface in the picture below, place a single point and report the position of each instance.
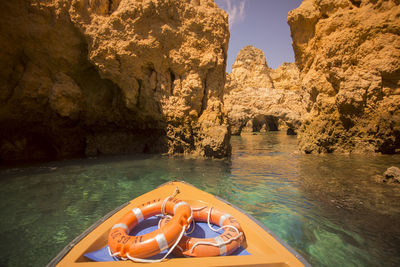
(251, 101)
(286, 77)
(100, 77)
(390, 176)
(265, 109)
(250, 69)
(348, 53)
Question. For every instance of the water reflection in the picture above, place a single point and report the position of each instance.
(43, 207)
(327, 207)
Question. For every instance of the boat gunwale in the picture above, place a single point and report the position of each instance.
(77, 239)
(283, 243)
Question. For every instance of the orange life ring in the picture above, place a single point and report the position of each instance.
(147, 245)
(198, 247)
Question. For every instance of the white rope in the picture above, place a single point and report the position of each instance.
(215, 245)
(167, 198)
(222, 227)
(194, 223)
(171, 249)
(164, 214)
(115, 254)
(112, 254)
(216, 230)
(163, 205)
(189, 220)
(200, 208)
(163, 258)
(194, 227)
(191, 216)
(162, 217)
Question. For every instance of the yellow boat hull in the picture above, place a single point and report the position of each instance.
(265, 248)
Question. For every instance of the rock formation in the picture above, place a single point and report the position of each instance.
(253, 109)
(250, 69)
(104, 77)
(286, 77)
(251, 101)
(348, 53)
(390, 176)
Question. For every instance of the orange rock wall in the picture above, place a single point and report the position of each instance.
(110, 77)
(348, 52)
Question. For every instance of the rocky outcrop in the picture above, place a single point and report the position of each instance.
(286, 77)
(250, 69)
(251, 101)
(349, 57)
(265, 109)
(103, 77)
(390, 176)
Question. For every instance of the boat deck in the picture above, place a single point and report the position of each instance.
(261, 245)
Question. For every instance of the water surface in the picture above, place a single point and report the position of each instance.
(328, 208)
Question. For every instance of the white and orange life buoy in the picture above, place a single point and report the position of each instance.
(125, 246)
(222, 245)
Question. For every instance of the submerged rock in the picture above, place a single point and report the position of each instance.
(392, 174)
(251, 101)
(349, 57)
(110, 77)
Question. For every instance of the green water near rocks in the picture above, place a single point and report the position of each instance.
(328, 207)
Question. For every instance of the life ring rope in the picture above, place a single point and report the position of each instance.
(165, 256)
(176, 191)
(162, 242)
(147, 260)
(217, 241)
(220, 243)
(193, 222)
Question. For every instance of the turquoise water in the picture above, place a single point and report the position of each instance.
(328, 208)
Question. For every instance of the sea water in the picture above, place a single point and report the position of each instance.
(327, 207)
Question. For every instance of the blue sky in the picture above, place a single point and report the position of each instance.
(261, 23)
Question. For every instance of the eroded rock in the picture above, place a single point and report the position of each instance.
(250, 69)
(91, 77)
(349, 57)
(390, 176)
(286, 77)
(255, 109)
(251, 101)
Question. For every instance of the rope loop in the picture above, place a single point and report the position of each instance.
(163, 215)
(165, 256)
(239, 234)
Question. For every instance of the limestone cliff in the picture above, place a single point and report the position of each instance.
(106, 77)
(265, 109)
(348, 53)
(286, 77)
(251, 101)
(250, 69)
